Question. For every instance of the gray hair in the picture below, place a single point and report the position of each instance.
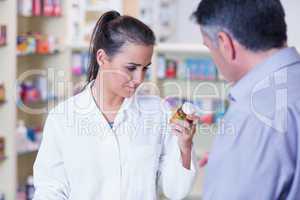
(212, 32)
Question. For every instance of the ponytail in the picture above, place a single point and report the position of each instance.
(98, 38)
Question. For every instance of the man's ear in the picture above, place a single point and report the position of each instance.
(101, 57)
(226, 45)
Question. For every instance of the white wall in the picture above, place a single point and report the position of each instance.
(292, 14)
(188, 31)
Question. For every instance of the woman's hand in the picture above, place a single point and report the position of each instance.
(185, 133)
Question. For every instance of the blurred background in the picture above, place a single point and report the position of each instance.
(43, 60)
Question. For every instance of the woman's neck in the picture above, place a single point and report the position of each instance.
(105, 99)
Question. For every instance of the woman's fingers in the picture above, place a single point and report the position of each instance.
(179, 128)
(193, 130)
(176, 132)
(182, 123)
(184, 127)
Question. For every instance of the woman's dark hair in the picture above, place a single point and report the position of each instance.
(257, 24)
(111, 32)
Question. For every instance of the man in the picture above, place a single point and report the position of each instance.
(257, 155)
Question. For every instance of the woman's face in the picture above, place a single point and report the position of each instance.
(126, 70)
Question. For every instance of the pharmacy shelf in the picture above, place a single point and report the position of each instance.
(40, 16)
(36, 104)
(59, 61)
(29, 151)
(40, 54)
(60, 49)
(177, 49)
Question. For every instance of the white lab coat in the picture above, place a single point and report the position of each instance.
(82, 158)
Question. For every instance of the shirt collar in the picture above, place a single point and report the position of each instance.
(283, 58)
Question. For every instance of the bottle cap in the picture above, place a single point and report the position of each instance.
(188, 108)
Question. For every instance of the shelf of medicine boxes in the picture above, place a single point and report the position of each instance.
(178, 50)
(41, 16)
(57, 51)
(27, 154)
(57, 60)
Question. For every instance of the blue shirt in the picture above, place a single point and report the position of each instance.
(111, 124)
(256, 153)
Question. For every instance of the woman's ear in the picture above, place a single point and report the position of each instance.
(226, 45)
(101, 57)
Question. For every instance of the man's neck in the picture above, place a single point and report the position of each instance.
(253, 59)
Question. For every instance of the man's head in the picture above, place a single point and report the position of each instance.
(235, 29)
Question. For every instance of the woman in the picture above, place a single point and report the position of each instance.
(108, 142)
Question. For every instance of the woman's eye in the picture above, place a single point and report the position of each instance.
(131, 68)
(145, 69)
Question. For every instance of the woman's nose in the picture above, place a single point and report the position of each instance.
(138, 78)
